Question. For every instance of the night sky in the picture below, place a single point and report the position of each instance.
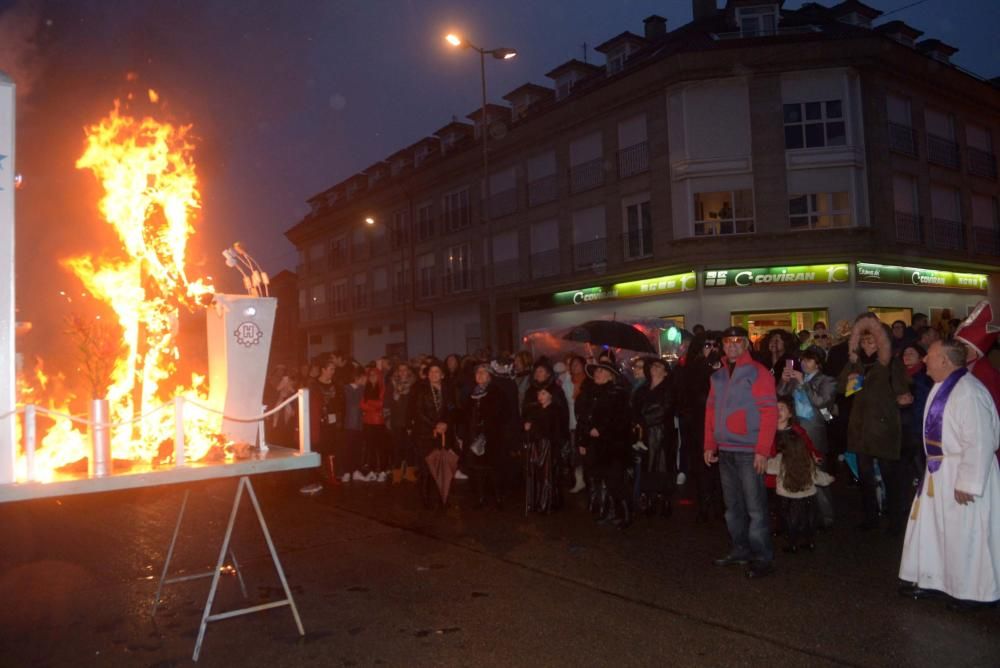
(286, 103)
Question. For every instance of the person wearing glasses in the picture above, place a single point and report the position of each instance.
(741, 418)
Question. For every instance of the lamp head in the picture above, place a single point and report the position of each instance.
(453, 39)
(369, 220)
(504, 54)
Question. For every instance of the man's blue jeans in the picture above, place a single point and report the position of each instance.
(746, 506)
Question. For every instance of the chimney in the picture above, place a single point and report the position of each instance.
(655, 27)
(703, 9)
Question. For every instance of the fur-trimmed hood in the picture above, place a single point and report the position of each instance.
(868, 323)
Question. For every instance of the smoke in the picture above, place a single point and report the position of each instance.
(19, 52)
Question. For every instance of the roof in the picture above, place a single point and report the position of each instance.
(849, 6)
(621, 38)
(936, 45)
(454, 126)
(571, 65)
(491, 110)
(381, 164)
(900, 27)
(528, 88)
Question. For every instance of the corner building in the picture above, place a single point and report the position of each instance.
(756, 166)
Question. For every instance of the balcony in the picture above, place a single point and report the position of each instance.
(586, 175)
(633, 160)
(427, 285)
(986, 240)
(637, 244)
(453, 283)
(545, 263)
(590, 254)
(903, 139)
(909, 228)
(507, 272)
(943, 152)
(982, 163)
(503, 203)
(457, 219)
(946, 234)
(543, 190)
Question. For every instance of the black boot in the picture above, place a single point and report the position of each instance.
(624, 521)
(594, 504)
(609, 514)
(665, 507)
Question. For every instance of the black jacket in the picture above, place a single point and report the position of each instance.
(425, 414)
(606, 409)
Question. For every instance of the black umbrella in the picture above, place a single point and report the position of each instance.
(611, 333)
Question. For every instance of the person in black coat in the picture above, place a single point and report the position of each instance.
(692, 384)
(546, 428)
(543, 376)
(432, 415)
(653, 409)
(483, 436)
(604, 440)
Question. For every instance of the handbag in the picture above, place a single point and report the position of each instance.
(478, 446)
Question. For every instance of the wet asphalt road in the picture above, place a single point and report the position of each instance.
(379, 581)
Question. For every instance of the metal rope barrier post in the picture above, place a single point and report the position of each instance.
(179, 457)
(304, 436)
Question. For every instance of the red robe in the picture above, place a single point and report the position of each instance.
(988, 376)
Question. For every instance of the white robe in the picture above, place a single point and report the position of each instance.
(950, 547)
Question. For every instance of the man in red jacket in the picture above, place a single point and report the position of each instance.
(741, 418)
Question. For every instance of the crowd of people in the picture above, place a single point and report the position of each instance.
(758, 428)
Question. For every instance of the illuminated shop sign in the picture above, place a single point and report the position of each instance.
(813, 274)
(924, 278)
(647, 287)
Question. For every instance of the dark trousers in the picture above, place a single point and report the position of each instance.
(378, 447)
(746, 506)
(797, 514)
(895, 498)
(705, 479)
(352, 449)
(402, 449)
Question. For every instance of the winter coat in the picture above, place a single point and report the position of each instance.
(821, 391)
(740, 414)
(425, 414)
(546, 424)
(352, 406)
(653, 410)
(912, 416)
(558, 399)
(398, 405)
(371, 407)
(606, 409)
(874, 427)
(484, 416)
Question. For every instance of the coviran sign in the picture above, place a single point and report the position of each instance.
(647, 287)
(814, 274)
(914, 276)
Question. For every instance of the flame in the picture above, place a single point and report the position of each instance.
(147, 173)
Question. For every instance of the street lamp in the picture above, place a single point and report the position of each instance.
(501, 53)
(369, 220)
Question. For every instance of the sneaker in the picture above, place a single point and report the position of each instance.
(681, 478)
(310, 489)
(371, 477)
(381, 477)
(460, 476)
(345, 478)
(358, 477)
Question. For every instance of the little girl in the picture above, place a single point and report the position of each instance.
(797, 476)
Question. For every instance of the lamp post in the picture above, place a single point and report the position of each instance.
(499, 54)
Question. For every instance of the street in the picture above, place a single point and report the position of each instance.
(379, 581)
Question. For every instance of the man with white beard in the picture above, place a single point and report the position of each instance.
(952, 542)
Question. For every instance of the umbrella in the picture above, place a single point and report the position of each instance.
(611, 333)
(442, 464)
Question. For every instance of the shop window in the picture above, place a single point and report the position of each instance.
(890, 314)
(759, 323)
(819, 211)
(814, 124)
(728, 212)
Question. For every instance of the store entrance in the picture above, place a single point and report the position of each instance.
(759, 323)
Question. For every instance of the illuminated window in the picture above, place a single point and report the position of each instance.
(727, 212)
(819, 211)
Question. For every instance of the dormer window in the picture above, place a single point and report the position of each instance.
(856, 19)
(564, 85)
(616, 60)
(757, 21)
(421, 154)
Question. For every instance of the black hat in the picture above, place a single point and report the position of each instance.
(735, 330)
(591, 368)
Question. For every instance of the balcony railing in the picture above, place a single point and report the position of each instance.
(457, 219)
(986, 241)
(545, 263)
(425, 229)
(982, 163)
(638, 244)
(943, 152)
(590, 254)
(633, 160)
(458, 282)
(586, 175)
(947, 234)
(503, 203)
(427, 285)
(507, 272)
(903, 139)
(909, 228)
(543, 190)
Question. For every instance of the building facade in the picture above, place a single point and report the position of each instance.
(755, 166)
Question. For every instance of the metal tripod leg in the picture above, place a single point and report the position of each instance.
(170, 552)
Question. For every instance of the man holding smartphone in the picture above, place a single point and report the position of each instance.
(741, 418)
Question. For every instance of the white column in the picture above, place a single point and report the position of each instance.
(7, 317)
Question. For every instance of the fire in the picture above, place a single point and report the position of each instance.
(147, 173)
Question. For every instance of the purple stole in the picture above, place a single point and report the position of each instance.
(933, 431)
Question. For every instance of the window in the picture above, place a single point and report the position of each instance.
(425, 275)
(340, 296)
(905, 203)
(728, 212)
(946, 227)
(303, 303)
(400, 280)
(814, 124)
(616, 61)
(757, 21)
(542, 181)
(317, 295)
(589, 238)
(819, 211)
(338, 252)
(458, 265)
(633, 149)
(638, 230)
(399, 229)
(986, 224)
(360, 291)
(544, 249)
(455, 210)
(506, 266)
(902, 136)
(425, 221)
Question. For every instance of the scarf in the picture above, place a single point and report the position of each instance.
(933, 432)
(912, 371)
(803, 407)
(479, 391)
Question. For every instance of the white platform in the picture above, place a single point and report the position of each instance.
(143, 475)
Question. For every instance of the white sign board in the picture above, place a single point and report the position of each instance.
(7, 316)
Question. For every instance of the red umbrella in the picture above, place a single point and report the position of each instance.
(442, 464)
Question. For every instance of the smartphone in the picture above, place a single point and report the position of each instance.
(789, 364)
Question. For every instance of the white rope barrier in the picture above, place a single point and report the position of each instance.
(258, 418)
